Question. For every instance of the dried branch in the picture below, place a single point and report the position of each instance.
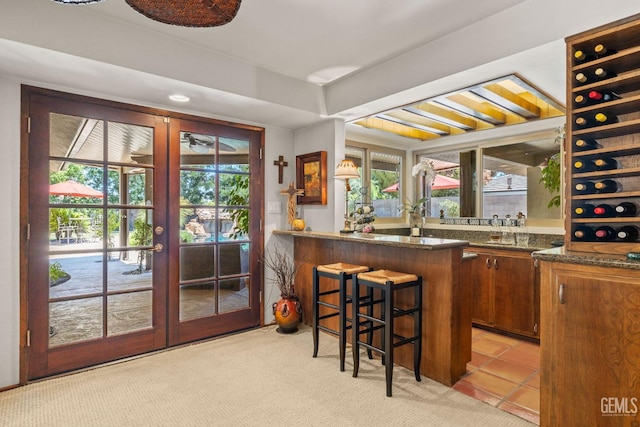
(284, 269)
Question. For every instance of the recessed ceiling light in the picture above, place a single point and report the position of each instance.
(179, 98)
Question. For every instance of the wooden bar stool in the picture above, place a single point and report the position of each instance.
(388, 282)
(342, 272)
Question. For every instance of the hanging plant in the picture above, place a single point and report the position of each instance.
(551, 179)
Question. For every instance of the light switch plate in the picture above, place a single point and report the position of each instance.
(274, 207)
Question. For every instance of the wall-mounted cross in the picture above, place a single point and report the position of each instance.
(281, 165)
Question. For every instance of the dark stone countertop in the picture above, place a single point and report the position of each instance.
(586, 258)
(424, 243)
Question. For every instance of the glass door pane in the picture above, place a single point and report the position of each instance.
(214, 225)
(100, 211)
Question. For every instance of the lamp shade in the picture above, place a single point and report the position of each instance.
(188, 13)
(346, 170)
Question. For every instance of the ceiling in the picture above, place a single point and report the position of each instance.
(319, 41)
(293, 63)
(504, 101)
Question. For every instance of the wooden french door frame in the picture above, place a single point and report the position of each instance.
(30, 267)
(180, 332)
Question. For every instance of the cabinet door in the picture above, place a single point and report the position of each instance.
(482, 284)
(514, 278)
(590, 348)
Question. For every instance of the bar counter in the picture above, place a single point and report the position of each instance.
(446, 332)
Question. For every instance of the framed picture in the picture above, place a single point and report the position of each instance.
(311, 175)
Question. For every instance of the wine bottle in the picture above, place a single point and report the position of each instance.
(586, 187)
(580, 100)
(601, 74)
(365, 220)
(598, 119)
(604, 119)
(581, 78)
(628, 233)
(584, 210)
(604, 211)
(626, 209)
(605, 164)
(584, 122)
(586, 144)
(605, 233)
(363, 210)
(582, 56)
(594, 96)
(601, 50)
(583, 165)
(607, 186)
(584, 233)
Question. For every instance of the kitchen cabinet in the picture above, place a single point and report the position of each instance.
(590, 345)
(505, 290)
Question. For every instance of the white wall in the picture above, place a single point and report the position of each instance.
(327, 136)
(9, 226)
(279, 142)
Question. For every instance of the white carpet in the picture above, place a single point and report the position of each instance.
(257, 378)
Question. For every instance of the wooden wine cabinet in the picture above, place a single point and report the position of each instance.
(620, 140)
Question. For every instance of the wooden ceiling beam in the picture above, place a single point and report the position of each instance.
(443, 115)
(418, 122)
(481, 111)
(508, 100)
(401, 130)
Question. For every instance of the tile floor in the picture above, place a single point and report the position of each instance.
(504, 372)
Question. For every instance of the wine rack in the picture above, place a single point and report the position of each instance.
(618, 138)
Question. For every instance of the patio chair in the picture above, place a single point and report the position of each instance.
(66, 230)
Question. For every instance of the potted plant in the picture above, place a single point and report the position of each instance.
(287, 311)
(415, 210)
(551, 179)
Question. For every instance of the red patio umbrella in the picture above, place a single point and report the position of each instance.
(74, 189)
(391, 189)
(440, 182)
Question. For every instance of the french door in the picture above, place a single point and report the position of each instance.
(143, 230)
(215, 190)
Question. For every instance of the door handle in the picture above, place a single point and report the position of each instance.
(495, 263)
(158, 247)
(159, 230)
(488, 263)
(561, 294)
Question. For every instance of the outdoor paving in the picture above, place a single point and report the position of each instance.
(82, 317)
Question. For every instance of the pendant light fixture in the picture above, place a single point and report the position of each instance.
(188, 13)
(185, 13)
(77, 1)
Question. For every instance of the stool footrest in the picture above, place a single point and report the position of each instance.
(371, 347)
(372, 319)
(328, 304)
(331, 292)
(402, 340)
(329, 330)
(365, 303)
(369, 328)
(397, 312)
(328, 316)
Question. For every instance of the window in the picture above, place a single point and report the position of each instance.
(511, 181)
(381, 184)
(443, 192)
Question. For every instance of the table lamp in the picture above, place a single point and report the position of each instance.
(346, 170)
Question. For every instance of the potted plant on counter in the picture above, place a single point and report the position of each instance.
(287, 311)
(415, 210)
